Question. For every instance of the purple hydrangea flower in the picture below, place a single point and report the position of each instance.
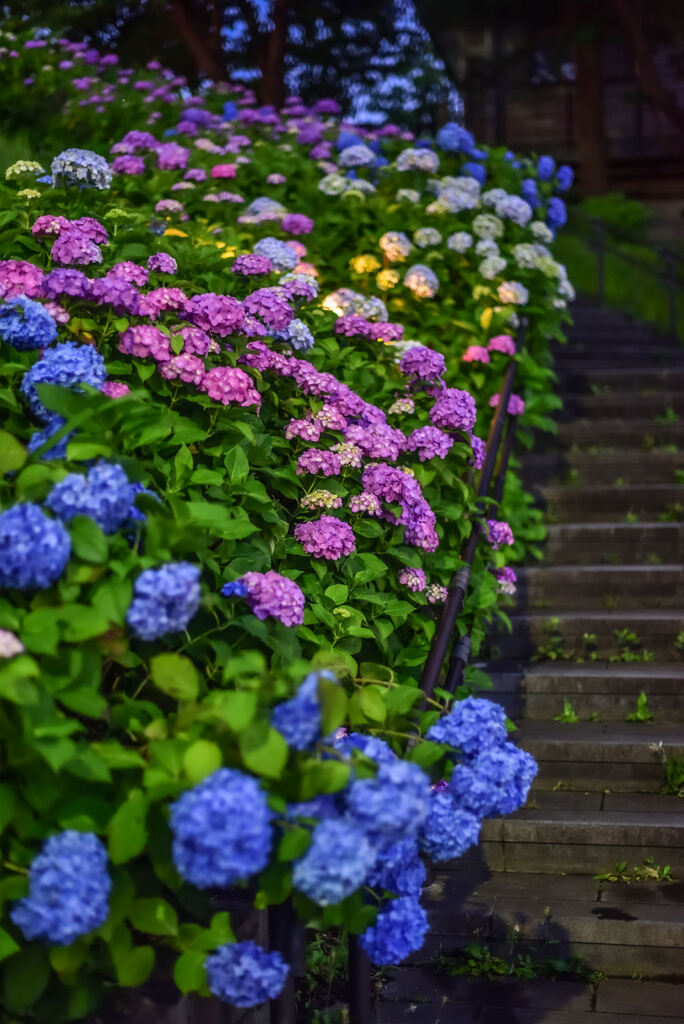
(251, 264)
(75, 247)
(429, 443)
(499, 533)
(162, 263)
(454, 410)
(270, 594)
(414, 579)
(327, 537)
(216, 314)
(230, 385)
(65, 281)
(315, 460)
(422, 363)
(144, 340)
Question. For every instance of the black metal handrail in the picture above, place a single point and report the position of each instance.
(286, 933)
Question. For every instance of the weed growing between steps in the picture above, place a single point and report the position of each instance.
(647, 871)
(629, 647)
(642, 713)
(476, 960)
(673, 770)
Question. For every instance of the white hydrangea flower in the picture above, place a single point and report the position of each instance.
(418, 160)
(426, 237)
(486, 225)
(492, 266)
(460, 241)
(541, 232)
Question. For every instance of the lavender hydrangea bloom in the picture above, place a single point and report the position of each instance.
(270, 594)
(315, 460)
(499, 533)
(393, 805)
(272, 307)
(335, 865)
(34, 549)
(66, 364)
(243, 974)
(25, 324)
(299, 720)
(105, 495)
(281, 255)
(251, 264)
(449, 830)
(414, 579)
(454, 410)
(327, 537)
(81, 167)
(429, 443)
(65, 281)
(298, 335)
(69, 888)
(423, 363)
(216, 314)
(117, 292)
(472, 725)
(422, 281)
(164, 600)
(399, 930)
(75, 247)
(162, 263)
(221, 829)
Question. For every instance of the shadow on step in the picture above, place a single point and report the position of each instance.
(475, 968)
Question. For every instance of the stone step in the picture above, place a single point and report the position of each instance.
(626, 433)
(656, 631)
(625, 543)
(424, 995)
(583, 842)
(600, 586)
(617, 468)
(603, 689)
(609, 925)
(632, 404)
(596, 756)
(578, 376)
(609, 504)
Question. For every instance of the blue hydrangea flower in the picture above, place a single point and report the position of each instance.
(299, 720)
(164, 600)
(335, 865)
(546, 165)
(230, 110)
(25, 324)
(281, 255)
(81, 167)
(472, 725)
(34, 549)
(68, 890)
(473, 170)
(556, 213)
(243, 974)
(106, 495)
(448, 830)
(371, 746)
(497, 781)
(564, 178)
(221, 830)
(454, 138)
(65, 364)
(39, 437)
(530, 192)
(234, 589)
(345, 139)
(325, 805)
(392, 805)
(399, 930)
(399, 869)
(135, 514)
(298, 335)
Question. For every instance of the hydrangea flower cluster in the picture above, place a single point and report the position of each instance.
(105, 495)
(81, 167)
(26, 324)
(69, 888)
(270, 594)
(243, 974)
(34, 549)
(164, 600)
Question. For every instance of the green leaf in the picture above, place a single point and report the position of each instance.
(189, 974)
(236, 707)
(176, 675)
(400, 699)
(372, 703)
(370, 670)
(217, 519)
(133, 966)
(127, 830)
(333, 700)
(82, 622)
(182, 466)
(40, 631)
(263, 750)
(154, 917)
(237, 464)
(427, 753)
(88, 540)
(7, 944)
(201, 759)
(324, 777)
(16, 680)
(294, 843)
(337, 593)
(13, 455)
(25, 977)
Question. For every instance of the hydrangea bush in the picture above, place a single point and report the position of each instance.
(241, 438)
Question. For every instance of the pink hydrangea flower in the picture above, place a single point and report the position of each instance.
(498, 533)
(183, 367)
(435, 593)
(414, 579)
(143, 340)
(475, 354)
(131, 272)
(223, 171)
(270, 594)
(10, 644)
(230, 385)
(327, 537)
(217, 314)
(516, 406)
(315, 460)
(297, 224)
(365, 503)
(308, 430)
(276, 179)
(19, 277)
(73, 247)
(196, 341)
(114, 389)
(502, 343)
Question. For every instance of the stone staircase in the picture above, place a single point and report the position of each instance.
(613, 488)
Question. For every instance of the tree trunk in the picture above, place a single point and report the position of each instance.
(591, 138)
(204, 45)
(272, 88)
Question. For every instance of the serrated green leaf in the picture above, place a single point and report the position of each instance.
(176, 675)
